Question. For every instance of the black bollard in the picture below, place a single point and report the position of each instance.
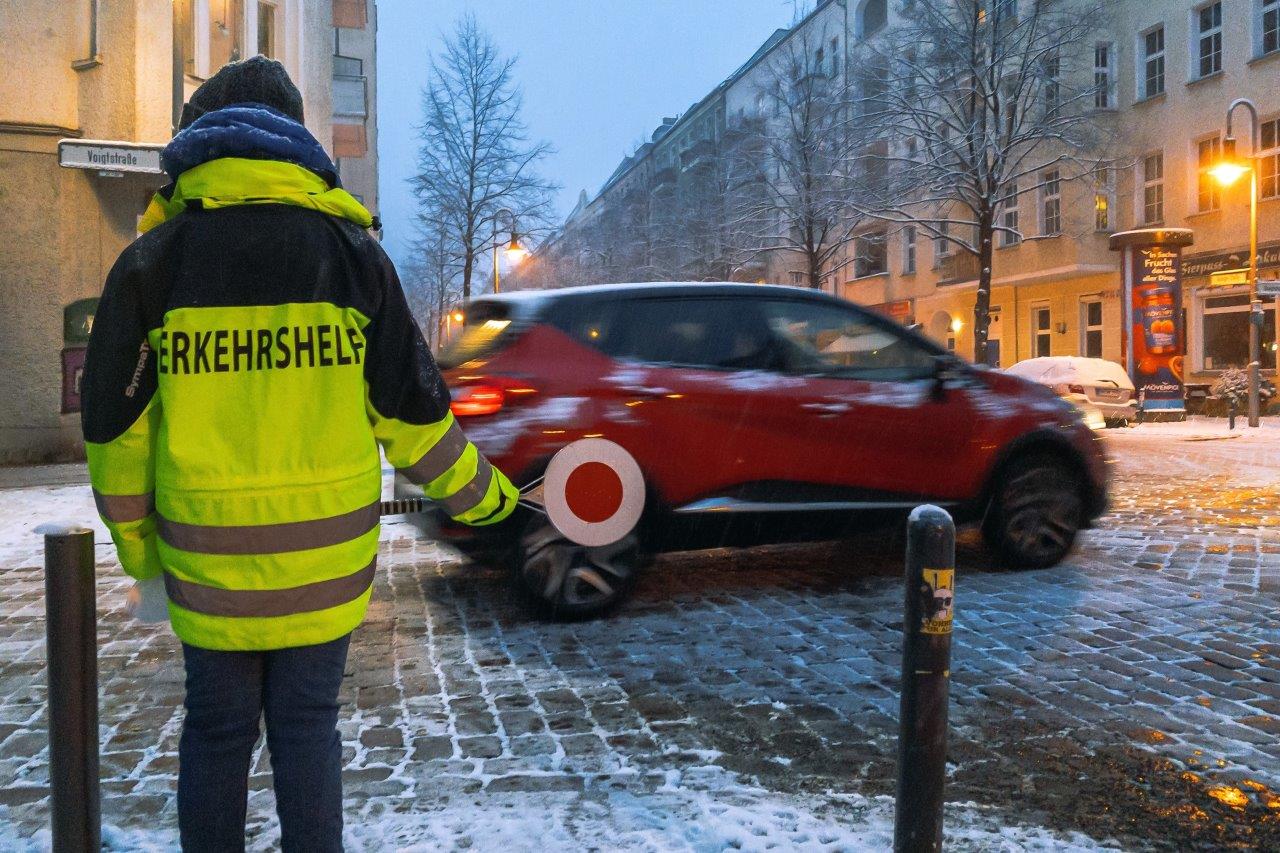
(926, 674)
(71, 625)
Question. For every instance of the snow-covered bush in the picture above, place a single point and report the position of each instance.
(1232, 387)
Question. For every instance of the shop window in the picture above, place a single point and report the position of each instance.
(1091, 328)
(1151, 49)
(1153, 188)
(1224, 330)
(1208, 190)
(1041, 333)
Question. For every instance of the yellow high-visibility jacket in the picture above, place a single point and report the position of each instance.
(250, 353)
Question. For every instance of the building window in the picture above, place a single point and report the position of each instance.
(1152, 52)
(908, 249)
(1208, 190)
(873, 16)
(226, 31)
(1268, 26)
(1153, 189)
(1041, 333)
(1269, 159)
(1052, 85)
(1091, 327)
(1225, 330)
(1051, 203)
(1104, 202)
(1208, 30)
(941, 245)
(1010, 235)
(184, 18)
(267, 29)
(797, 278)
(835, 57)
(1104, 76)
(870, 257)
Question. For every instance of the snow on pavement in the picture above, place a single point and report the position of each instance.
(729, 816)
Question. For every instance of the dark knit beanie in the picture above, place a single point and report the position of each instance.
(258, 80)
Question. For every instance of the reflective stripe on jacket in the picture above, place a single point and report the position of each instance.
(247, 360)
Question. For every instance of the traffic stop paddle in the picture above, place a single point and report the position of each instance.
(926, 674)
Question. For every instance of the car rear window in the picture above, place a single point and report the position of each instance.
(487, 329)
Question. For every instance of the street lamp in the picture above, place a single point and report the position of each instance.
(515, 251)
(1227, 172)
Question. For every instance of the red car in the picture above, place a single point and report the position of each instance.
(757, 414)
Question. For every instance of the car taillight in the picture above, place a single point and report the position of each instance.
(474, 400)
(488, 396)
(1075, 389)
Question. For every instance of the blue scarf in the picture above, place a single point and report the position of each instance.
(251, 131)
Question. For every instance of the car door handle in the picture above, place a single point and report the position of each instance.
(827, 410)
(645, 390)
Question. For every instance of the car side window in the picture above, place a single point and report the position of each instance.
(597, 324)
(832, 340)
(719, 334)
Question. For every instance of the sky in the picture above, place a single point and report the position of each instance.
(597, 77)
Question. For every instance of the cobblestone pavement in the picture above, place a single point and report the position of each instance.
(1132, 693)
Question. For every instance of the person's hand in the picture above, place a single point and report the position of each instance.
(147, 600)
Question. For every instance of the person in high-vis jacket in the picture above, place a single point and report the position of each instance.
(252, 351)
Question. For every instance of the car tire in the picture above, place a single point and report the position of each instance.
(565, 581)
(1035, 513)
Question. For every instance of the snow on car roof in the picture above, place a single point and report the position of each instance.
(1071, 368)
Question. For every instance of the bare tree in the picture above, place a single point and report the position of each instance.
(476, 157)
(982, 102)
(798, 168)
(432, 280)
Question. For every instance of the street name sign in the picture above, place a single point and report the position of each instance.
(106, 156)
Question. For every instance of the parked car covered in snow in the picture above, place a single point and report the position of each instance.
(1097, 386)
(756, 413)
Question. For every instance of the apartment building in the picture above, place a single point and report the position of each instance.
(1165, 73)
(91, 93)
(1168, 72)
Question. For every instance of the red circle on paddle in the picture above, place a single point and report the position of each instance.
(593, 492)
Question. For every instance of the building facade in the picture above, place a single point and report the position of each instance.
(1171, 70)
(92, 92)
(1166, 72)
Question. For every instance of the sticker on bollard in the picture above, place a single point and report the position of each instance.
(938, 592)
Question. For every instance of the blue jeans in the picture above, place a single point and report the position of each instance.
(227, 692)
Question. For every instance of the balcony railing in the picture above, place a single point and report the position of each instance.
(959, 267)
(349, 96)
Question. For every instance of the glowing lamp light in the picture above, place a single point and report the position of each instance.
(515, 252)
(457, 316)
(1231, 168)
(956, 325)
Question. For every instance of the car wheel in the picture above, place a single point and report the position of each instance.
(1035, 513)
(568, 581)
